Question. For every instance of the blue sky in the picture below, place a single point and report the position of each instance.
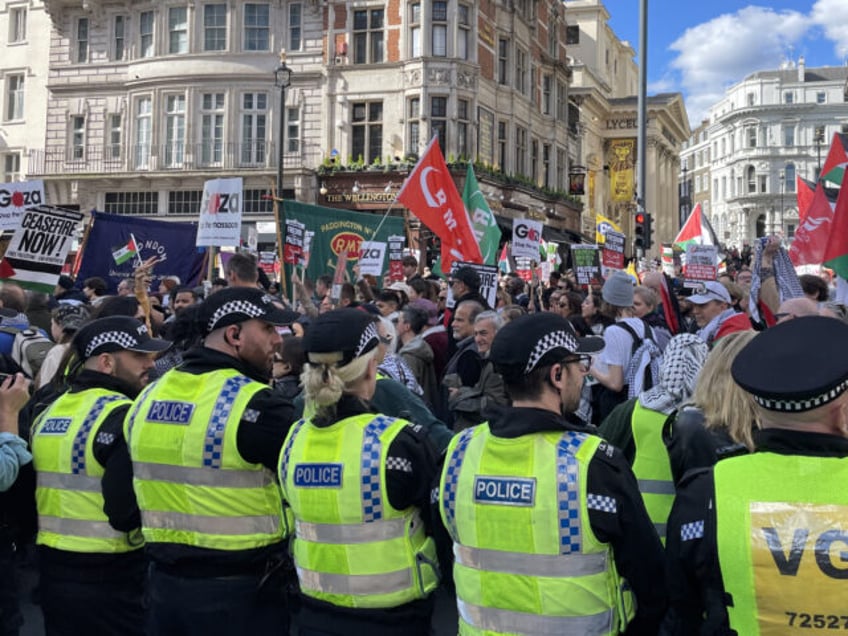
(701, 47)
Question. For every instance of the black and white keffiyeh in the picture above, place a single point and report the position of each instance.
(683, 358)
(788, 285)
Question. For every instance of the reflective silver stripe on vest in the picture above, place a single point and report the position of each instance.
(351, 533)
(78, 528)
(161, 520)
(570, 565)
(506, 621)
(355, 584)
(196, 476)
(656, 487)
(66, 481)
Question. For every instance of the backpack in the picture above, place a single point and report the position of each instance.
(645, 354)
(29, 348)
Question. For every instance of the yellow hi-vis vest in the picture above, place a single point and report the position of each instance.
(782, 536)
(192, 486)
(652, 466)
(526, 559)
(68, 492)
(351, 547)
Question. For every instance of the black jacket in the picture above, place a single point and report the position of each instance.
(698, 603)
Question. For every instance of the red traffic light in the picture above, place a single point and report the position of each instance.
(640, 218)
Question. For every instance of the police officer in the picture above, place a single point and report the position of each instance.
(550, 533)
(756, 544)
(204, 442)
(359, 485)
(91, 562)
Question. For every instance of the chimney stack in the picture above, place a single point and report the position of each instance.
(801, 69)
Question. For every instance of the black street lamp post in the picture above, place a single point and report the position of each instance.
(282, 80)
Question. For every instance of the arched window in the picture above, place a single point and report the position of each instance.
(752, 180)
(789, 175)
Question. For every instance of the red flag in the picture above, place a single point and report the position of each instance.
(836, 252)
(805, 191)
(808, 246)
(430, 193)
(6, 270)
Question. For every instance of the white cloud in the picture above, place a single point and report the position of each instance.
(715, 54)
(832, 17)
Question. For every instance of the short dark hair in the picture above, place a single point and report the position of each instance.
(326, 279)
(389, 296)
(812, 284)
(219, 282)
(422, 288)
(526, 386)
(476, 309)
(243, 267)
(117, 306)
(409, 261)
(348, 291)
(95, 284)
(292, 353)
(183, 289)
(415, 317)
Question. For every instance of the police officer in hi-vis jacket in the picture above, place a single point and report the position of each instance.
(359, 485)
(549, 530)
(91, 559)
(204, 442)
(757, 544)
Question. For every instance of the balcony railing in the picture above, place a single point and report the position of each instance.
(212, 156)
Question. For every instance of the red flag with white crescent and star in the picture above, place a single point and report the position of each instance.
(430, 193)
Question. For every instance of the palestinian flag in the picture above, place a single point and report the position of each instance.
(697, 229)
(815, 208)
(836, 252)
(125, 252)
(503, 259)
(837, 159)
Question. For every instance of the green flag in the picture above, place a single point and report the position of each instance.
(483, 222)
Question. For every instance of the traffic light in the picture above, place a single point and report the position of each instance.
(642, 231)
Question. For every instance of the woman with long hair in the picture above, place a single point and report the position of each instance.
(719, 419)
(357, 483)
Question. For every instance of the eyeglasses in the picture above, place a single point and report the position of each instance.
(583, 362)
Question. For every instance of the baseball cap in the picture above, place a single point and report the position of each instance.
(115, 333)
(234, 305)
(710, 290)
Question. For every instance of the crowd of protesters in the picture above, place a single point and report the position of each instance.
(279, 390)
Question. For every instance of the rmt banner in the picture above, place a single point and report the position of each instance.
(39, 246)
(17, 197)
(220, 213)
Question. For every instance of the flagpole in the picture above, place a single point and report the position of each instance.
(83, 242)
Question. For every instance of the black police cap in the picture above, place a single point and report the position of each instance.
(349, 333)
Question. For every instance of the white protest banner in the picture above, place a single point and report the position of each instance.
(15, 198)
(371, 255)
(701, 262)
(220, 213)
(39, 246)
(488, 282)
(526, 236)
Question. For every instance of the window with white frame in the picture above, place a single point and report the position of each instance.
(17, 24)
(77, 136)
(503, 60)
(177, 30)
(368, 36)
(502, 145)
(254, 118)
(11, 167)
(724, 187)
(214, 27)
(14, 97)
(415, 29)
(439, 29)
(145, 33)
(184, 202)
(143, 132)
(788, 134)
(295, 26)
(789, 177)
(788, 97)
(413, 123)
(547, 88)
(256, 201)
(174, 130)
(751, 136)
(463, 125)
(293, 129)
(113, 151)
(119, 37)
(439, 120)
(257, 27)
(562, 102)
(367, 131)
(553, 38)
(751, 174)
(463, 34)
(561, 181)
(520, 150)
(763, 183)
(715, 188)
(144, 203)
(81, 41)
(211, 128)
(821, 97)
(572, 34)
(520, 70)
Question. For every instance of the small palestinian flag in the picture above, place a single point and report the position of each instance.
(125, 252)
(837, 159)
